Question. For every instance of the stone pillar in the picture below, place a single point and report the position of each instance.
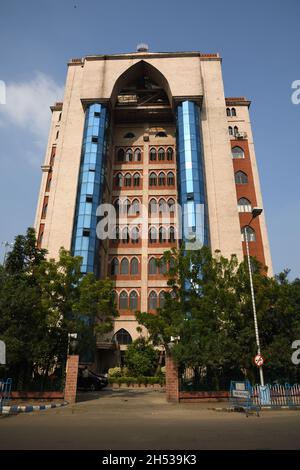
(71, 378)
(172, 380)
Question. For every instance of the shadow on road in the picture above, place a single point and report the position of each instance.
(113, 393)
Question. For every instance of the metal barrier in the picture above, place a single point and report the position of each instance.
(241, 397)
(5, 389)
(277, 395)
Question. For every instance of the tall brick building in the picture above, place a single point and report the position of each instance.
(145, 132)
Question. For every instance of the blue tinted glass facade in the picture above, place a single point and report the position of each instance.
(89, 192)
(191, 184)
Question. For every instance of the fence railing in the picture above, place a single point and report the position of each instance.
(276, 395)
(5, 389)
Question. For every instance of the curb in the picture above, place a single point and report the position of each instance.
(14, 409)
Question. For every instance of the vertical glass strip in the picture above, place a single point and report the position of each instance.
(90, 185)
(191, 182)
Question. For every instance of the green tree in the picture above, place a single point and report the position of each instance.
(141, 358)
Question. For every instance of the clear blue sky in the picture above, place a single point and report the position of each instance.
(259, 43)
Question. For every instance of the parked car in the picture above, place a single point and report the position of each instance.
(92, 382)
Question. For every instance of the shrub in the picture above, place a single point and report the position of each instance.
(115, 372)
(141, 358)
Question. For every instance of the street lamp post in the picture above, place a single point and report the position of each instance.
(256, 211)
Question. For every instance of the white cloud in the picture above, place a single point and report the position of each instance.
(27, 106)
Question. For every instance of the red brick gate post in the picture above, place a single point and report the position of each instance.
(172, 380)
(71, 378)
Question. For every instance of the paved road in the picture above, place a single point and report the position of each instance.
(143, 420)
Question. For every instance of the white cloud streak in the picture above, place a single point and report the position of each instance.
(27, 106)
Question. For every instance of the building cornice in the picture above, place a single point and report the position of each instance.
(237, 101)
(144, 55)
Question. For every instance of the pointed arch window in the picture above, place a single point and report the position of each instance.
(171, 179)
(244, 205)
(124, 266)
(125, 235)
(171, 205)
(133, 300)
(128, 180)
(153, 235)
(236, 130)
(251, 235)
(134, 266)
(162, 298)
(137, 155)
(153, 300)
(169, 154)
(152, 154)
(114, 267)
(152, 179)
(241, 177)
(122, 337)
(237, 152)
(171, 237)
(128, 155)
(162, 235)
(161, 179)
(228, 113)
(135, 235)
(162, 267)
(230, 130)
(123, 300)
(119, 180)
(161, 154)
(136, 179)
(233, 112)
(153, 206)
(152, 268)
(162, 206)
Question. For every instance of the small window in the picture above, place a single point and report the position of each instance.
(129, 135)
(57, 134)
(162, 267)
(119, 180)
(152, 179)
(171, 235)
(152, 154)
(236, 130)
(127, 180)
(85, 232)
(95, 139)
(125, 235)
(137, 155)
(244, 205)
(59, 117)
(170, 179)
(44, 211)
(161, 179)
(162, 206)
(48, 186)
(134, 266)
(161, 134)
(162, 298)
(153, 300)
(170, 154)
(124, 266)
(251, 236)
(161, 154)
(96, 114)
(114, 267)
(89, 199)
(171, 205)
(228, 112)
(152, 266)
(230, 130)
(237, 152)
(241, 177)
(135, 234)
(128, 155)
(162, 235)
(136, 179)
(135, 207)
(233, 112)
(153, 235)
(133, 300)
(123, 300)
(153, 206)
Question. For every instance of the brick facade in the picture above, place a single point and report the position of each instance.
(71, 378)
(172, 381)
